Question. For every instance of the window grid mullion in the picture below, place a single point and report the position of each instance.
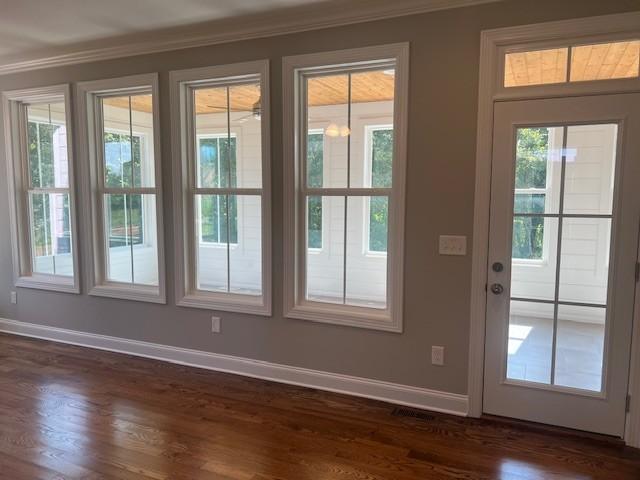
(228, 185)
(129, 190)
(57, 190)
(558, 255)
(349, 192)
(346, 202)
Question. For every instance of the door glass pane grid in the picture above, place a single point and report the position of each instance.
(559, 340)
(345, 230)
(226, 188)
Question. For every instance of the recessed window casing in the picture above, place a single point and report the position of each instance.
(344, 192)
(120, 129)
(42, 185)
(222, 187)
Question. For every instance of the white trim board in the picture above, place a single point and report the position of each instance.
(450, 403)
(268, 24)
(491, 42)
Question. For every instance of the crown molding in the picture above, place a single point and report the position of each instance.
(277, 22)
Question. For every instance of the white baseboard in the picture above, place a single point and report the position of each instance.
(417, 397)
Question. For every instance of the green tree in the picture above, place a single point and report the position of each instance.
(218, 158)
(532, 149)
(315, 173)
(42, 175)
(381, 177)
(123, 169)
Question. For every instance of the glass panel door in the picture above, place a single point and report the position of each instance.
(562, 211)
(562, 250)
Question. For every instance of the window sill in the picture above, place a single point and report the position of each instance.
(49, 282)
(226, 302)
(350, 316)
(123, 291)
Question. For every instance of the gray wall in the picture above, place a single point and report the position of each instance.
(442, 136)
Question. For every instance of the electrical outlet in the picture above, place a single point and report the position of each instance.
(453, 245)
(215, 324)
(437, 355)
(14, 297)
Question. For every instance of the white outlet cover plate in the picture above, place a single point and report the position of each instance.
(437, 355)
(453, 245)
(215, 324)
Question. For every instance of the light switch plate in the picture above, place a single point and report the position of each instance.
(14, 297)
(453, 245)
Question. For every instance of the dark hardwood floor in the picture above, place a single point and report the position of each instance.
(71, 412)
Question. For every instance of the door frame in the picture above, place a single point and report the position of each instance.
(493, 45)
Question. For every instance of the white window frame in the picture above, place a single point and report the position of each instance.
(295, 304)
(183, 82)
(90, 127)
(15, 124)
(368, 158)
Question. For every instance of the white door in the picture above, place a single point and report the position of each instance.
(565, 210)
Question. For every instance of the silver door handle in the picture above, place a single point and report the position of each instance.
(497, 289)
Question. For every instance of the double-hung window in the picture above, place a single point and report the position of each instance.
(221, 133)
(124, 177)
(345, 149)
(41, 187)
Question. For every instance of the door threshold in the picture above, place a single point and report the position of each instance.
(554, 430)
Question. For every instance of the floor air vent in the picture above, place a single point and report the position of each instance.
(410, 413)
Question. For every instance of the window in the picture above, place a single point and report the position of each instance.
(126, 205)
(41, 184)
(344, 250)
(222, 185)
(576, 63)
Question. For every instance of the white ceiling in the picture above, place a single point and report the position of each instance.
(28, 26)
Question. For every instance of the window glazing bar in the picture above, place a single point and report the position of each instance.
(346, 201)
(128, 199)
(228, 191)
(559, 302)
(559, 255)
(565, 215)
(227, 197)
(349, 192)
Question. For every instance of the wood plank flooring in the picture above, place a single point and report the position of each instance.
(69, 412)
